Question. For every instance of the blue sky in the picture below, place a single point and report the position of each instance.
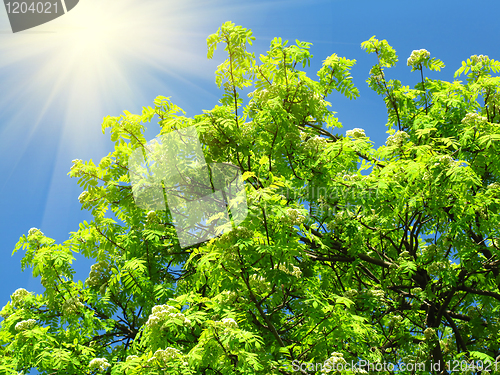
(60, 79)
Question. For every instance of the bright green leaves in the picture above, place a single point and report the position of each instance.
(284, 56)
(386, 57)
(126, 126)
(335, 74)
(478, 66)
(400, 100)
(130, 127)
(299, 53)
(134, 275)
(229, 33)
(386, 54)
(434, 64)
(235, 69)
(349, 250)
(166, 111)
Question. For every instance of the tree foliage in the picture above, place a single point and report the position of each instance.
(348, 252)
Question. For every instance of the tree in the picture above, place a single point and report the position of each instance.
(348, 254)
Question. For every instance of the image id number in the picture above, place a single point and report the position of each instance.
(23, 7)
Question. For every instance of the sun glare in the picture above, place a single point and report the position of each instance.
(96, 54)
(102, 57)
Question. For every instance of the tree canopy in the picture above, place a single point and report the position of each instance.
(348, 254)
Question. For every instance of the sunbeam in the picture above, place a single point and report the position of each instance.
(96, 54)
(61, 78)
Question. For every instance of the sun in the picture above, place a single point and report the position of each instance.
(95, 55)
(60, 79)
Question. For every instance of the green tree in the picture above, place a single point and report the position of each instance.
(347, 253)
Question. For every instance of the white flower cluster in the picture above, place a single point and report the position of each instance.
(349, 177)
(229, 323)
(339, 218)
(241, 233)
(376, 293)
(429, 250)
(165, 356)
(356, 133)
(417, 57)
(314, 144)
(259, 284)
(294, 216)
(473, 118)
(99, 274)
(24, 325)
(35, 232)
(435, 268)
(429, 333)
(395, 320)
(229, 297)
(246, 131)
(314, 95)
(100, 364)
(236, 234)
(152, 217)
(296, 272)
(161, 313)
(397, 139)
(231, 257)
(262, 94)
(493, 186)
(445, 160)
(131, 358)
(72, 306)
(332, 225)
(475, 59)
(18, 296)
(351, 294)
(83, 196)
(331, 364)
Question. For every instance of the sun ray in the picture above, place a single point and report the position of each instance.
(99, 57)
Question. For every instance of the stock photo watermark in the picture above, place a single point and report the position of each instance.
(205, 199)
(338, 364)
(25, 15)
